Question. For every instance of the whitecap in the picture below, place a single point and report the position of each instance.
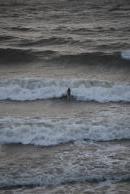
(39, 131)
(125, 54)
(23, 89)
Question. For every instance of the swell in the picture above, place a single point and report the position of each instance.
(18, 55)
(93, 58)
(47, 41)
(49, 132)
(5, 37)
(99, 29)
(24, 89)
(12, 3)
(23, 29)
(13, 55)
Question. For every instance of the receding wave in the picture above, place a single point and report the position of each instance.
(23, 89)
(55, 131)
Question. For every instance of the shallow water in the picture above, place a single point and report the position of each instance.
(85, 165)
(48, 123)
(79, 162)
(90, 188)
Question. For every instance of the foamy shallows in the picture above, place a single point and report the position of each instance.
(125, 54)
(48, 132)
(23, 89)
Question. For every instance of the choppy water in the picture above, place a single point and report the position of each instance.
(50, 145)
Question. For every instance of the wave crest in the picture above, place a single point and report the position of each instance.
(126, 54)
(48, 132)
(83, 90)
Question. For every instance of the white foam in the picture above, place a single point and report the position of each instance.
(125, 54)
(35, 88)
(55, 131)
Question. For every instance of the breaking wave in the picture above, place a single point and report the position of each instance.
(47, 132)
(25, 89)
(71, 176)
(126, 54)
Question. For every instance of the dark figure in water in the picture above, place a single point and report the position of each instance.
(68, 94)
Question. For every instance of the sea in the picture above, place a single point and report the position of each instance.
(51, 144)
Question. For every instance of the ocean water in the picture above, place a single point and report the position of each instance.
(47, 143)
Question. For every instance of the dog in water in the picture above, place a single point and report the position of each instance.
(68, 94)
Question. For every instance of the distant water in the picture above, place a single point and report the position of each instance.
(81, 145)
(64, 31)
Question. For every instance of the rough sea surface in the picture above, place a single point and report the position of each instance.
(49, 144)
